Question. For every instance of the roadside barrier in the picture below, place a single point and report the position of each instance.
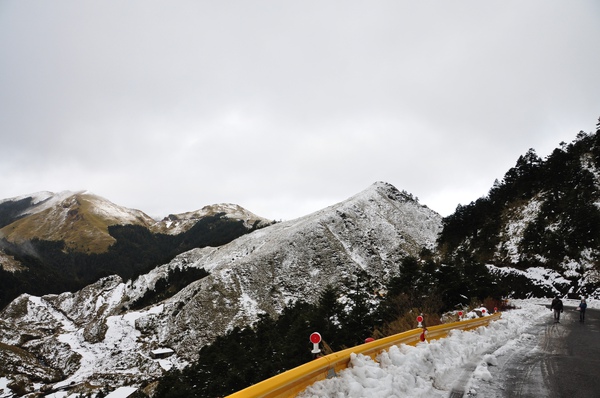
(293, 381)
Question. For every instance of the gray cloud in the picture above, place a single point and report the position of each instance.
(285, 108)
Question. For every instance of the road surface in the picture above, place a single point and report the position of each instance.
(554, 360)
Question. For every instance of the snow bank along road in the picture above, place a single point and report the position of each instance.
(524, 354)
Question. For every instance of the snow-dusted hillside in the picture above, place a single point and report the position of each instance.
(92, 336)
(178, 223)
(265, 270)
(80, 219)
(545, 213)
(44, 201)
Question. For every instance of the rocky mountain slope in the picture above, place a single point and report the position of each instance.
(95, 335)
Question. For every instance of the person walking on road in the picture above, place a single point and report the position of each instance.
(557, 306)
(581, 309)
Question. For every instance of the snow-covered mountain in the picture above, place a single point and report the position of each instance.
(178, 223)
(81, 219)
(94, 336)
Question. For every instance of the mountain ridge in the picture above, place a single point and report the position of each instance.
(81, 219)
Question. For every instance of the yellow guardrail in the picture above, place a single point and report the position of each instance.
(293, 381)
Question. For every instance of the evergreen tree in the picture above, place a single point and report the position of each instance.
(359, 317)
(326, 319)
(410, 273)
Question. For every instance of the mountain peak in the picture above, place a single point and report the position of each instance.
(387, 189)
(80, 219)
(177, 223)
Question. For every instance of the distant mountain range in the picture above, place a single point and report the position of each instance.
(81, 219)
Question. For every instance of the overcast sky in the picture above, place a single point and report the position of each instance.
(286, 107)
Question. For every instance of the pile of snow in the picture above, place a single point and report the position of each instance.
(4, 390)
(433, 369)
(538, 276)
(122, 392)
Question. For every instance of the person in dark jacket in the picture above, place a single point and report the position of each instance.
(557, 306)
(581, 308)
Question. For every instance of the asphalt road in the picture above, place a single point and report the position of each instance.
(557, 359)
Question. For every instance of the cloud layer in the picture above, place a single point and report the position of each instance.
(287, 107)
